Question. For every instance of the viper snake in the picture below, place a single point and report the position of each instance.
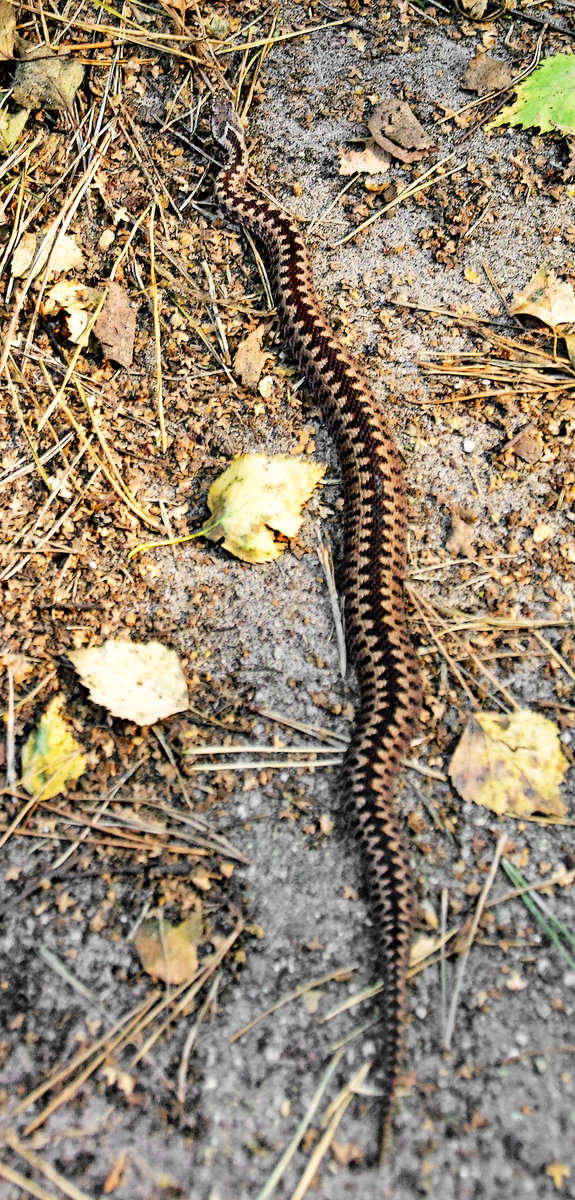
(375, 531)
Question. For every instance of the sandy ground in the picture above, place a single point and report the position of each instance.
(489, 1118)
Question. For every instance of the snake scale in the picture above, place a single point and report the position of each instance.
(375, 527)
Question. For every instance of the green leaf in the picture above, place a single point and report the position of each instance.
(545, 100)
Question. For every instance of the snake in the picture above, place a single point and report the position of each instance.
(375, 553)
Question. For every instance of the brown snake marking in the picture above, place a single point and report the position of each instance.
(375, 556)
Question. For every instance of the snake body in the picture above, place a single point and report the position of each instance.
(375, 558)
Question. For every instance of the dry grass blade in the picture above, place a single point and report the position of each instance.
(39, 1164)
(183, 1067)
(157, 338)
(295, 995)
(123, 1026)
(304, 727)
(189, 992)
(304, 1124)
(337, 1110)
(326, 559)
(450, 1022)
(418, 185)
(27, 1186)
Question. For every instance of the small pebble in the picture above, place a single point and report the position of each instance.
(468, 445)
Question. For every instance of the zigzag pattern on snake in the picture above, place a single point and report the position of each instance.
(375, 557)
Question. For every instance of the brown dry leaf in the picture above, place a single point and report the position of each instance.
(115, 327)
(372, 160)
(78, 302)
(529, 447)
(514, 982)
(47, 81)
(249, 358)
(485, 74)
(512, 764)
(569, 172)
(397, 130)
(475, 8)
(51, 756)
(546, 298)
(461, 538)
(139, 681)
(7, 30)
(346, 1153)
(256, 496)
(558, 1172)
(115, 1177)
(66, 256)
(169, 952)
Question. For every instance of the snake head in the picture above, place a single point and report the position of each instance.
(225, 121)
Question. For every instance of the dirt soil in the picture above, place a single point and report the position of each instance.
(260, 854)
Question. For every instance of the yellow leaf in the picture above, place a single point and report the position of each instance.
(559, 1172)
(51, 756)
(79, 303)
(139, 681)
(471, 275)
(169, 952)
(511, 764)
(256, 496)
(11, 126)
(422, 948)
(546, 298)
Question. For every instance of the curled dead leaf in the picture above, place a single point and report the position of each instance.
(372, 160)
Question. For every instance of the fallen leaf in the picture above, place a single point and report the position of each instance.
(7, 30)
(78, 302)
(66, 256)
(346, 1153)
(372, 160)
(545, 100)
(249, 358)
(546, 298)
(325, 825)
(512, 764)
(485, 74)
(138, 681)
(51, 757)
(475, 8)
(529, 447)
(558, 1172)
(542, 532)
(115, 327)
(169, 952)
(397, 130)
(422, 947)
(461, 538)
(256, 496)
(48, 81)
(357, 39)
(11, 126)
